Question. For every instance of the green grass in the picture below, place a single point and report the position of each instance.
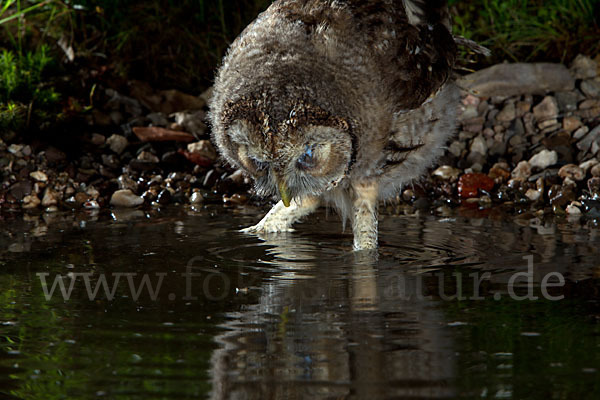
(520, 30)
(25, 95)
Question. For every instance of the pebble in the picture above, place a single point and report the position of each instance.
(580, 132)
(594, 187)
(567, 101)
(196, 198)
(125, 182)
(595, 171)
(456, 148)
(39, 176)
(91, 205)
(479, 145)
(191, 121)
(111, 161)
(571, 171)
(588, 165)
(31, 201)
(117, 143)
(158, 119)
(21, 189)
(543, 159)
(508, 113)
(499, 171)
(591, 88)
(547, 109)
(125, 198)
(583, 67)
(588, 140)
(573, 208)
(236, 199)
(469, 185)
(16, 149)
(533, 194)
(98, 139)
(522, 171)
(203, 148)
(164, 197)
(591, 208)
(447, 173)
(147, 156)
(571, 123)
(51, 197)
(92, 192)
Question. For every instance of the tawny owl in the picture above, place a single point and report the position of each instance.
(336, 101)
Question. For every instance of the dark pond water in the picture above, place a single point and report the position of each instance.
(457, 307)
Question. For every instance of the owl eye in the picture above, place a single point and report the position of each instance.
(307, 160)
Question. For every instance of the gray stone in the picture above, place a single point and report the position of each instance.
(468, 113)
(21, 189)
(583, 67)
(508, 113)
(110, 160)
(547, 109)
(456, 148)
(117, 143)
(567, 101)
(191, 121)
(579, 133)
(498, 149)
(586, 143)
(519, 78)
(479, 145)
(158, 119)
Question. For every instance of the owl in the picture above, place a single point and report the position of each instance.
(336, 102)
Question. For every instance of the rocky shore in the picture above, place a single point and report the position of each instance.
(528, 143)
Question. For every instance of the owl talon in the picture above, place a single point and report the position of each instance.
(261, 228)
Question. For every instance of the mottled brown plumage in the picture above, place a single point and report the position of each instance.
(342, 101)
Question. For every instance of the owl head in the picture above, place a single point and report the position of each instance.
(294, 150)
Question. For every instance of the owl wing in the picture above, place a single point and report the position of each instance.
(424, 53)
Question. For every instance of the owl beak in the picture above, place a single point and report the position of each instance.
(283, 191)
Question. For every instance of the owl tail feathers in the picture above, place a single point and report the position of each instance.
(472, 45)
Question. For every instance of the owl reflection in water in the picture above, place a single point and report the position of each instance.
(336, 102)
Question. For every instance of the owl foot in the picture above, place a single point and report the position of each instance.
(364, 224)
(268, 226)
(281, 218)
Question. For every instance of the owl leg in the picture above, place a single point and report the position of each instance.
(364, 223)
(280, 218)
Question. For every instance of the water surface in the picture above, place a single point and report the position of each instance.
(438, 312)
